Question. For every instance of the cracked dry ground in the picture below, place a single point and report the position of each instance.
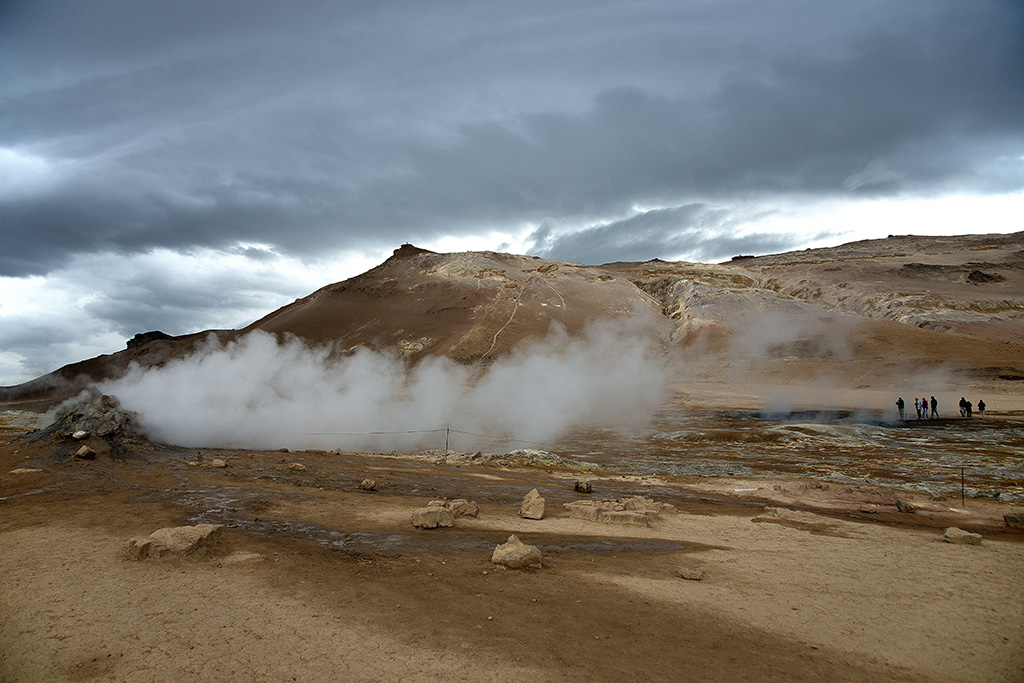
(348, 590)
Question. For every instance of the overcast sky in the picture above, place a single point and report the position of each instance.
(192, 164)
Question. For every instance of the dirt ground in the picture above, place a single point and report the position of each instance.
(338, 585)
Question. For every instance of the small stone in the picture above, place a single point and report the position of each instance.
(869, 508)
(956, 535)
(367, 485)
(691, 574)
(217, 462)
(85, 453)
(297, 467)
(243, 557)
(79, 434)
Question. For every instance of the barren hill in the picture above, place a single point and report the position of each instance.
(864, 311)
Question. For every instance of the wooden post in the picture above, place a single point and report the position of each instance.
(962, 487)
(447, 431)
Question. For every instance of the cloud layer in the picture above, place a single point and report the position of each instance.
(614, 131)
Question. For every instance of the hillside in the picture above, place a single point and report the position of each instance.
(861, 313)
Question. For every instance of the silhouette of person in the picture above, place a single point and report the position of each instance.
(899, 406)
(935, 408)
(963, 406)
(981, 408)
(969, 407)
(917, 407)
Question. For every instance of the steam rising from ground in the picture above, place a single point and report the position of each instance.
(257, 393)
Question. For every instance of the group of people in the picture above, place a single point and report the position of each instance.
(967, 408)
(928, 408)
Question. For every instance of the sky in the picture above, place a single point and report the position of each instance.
(189, 165)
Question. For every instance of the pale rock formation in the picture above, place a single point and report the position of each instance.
(532, 506)
(179, 540)
(515, 554)
(432, 517)
(961, 537)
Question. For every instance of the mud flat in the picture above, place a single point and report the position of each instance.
(790, 577)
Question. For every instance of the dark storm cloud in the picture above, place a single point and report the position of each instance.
(321, 126)
(695, 232)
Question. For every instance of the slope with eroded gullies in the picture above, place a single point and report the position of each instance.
(865, 312)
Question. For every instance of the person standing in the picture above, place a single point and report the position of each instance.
(917, 407)
(981, 409)
(899, 407)
(935, 408)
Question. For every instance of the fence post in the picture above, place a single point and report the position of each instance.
(447, 431)
(962, 504)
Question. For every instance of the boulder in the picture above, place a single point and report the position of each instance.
(905, 507)
(869, 508)
(217, 462)
(1014, 520)
(532, 506)
(85, 453)
(180, 540)
(461, 507)
(515, 554)
(956, 535)
(79, 434)
(432, 517)
(583, 486)
(297, 467)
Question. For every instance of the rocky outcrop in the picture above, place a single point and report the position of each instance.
(514, 554)
(633, 511)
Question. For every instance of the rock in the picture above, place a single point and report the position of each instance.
(515, 554)
(24, 470)
(185, 540)
(532, 506)
(904, 506)
(217, 462)
(583, 486)
(869, 508)
(85, 453)
(955, 535)
(367, 485)
(180, 540)
(297, 467)
(461, 507)
(1014, 520)
(79, 434)
(691, 574)
(432, 517)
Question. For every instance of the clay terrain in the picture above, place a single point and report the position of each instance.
(739, 501)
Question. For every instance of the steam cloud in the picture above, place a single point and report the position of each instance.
(257, 393)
